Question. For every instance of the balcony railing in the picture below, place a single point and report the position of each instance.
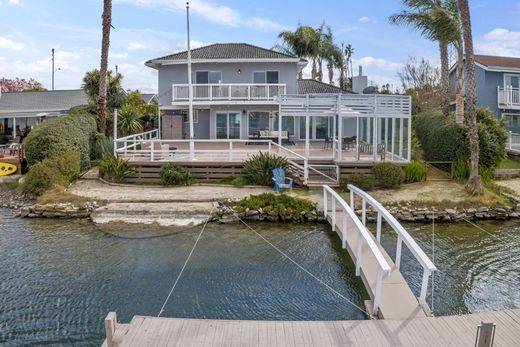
(228, 91)
(509, 97)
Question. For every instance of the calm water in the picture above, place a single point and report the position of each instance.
(59, 279)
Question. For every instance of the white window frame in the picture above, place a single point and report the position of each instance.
(209, 79)
(510, 75)
(271, 119)
(265, 76)
(195, 117)
(227, 123)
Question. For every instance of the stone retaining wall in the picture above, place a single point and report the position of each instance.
(61, 210)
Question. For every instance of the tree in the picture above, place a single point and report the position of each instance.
(474, 184)
(105, 44)
(129, 120)
(426, 16)
(303, 43)
(20, 85)
(135, 100)
(115, 93)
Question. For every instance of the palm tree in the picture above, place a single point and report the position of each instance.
(424, 16)
(303, 43)
(474, 185)
(349, 51)
(105, 43)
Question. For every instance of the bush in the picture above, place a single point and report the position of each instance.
(415, 172)
(54, 136)
(362, 181)
(103, 146)
(258, 168)
(114, 168)
(461, 170)
(59, 170)
(444, 140)
(388, 175)
(281, 203)
(174, 175)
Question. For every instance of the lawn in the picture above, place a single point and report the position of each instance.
(509, 163)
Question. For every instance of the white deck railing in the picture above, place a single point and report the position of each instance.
(364, 238)
(228, 92)
(402, 236)
(509, 97)
(513, 142)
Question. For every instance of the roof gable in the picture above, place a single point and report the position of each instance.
(491, 61)
(310, 86)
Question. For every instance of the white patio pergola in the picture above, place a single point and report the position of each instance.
(368, 124)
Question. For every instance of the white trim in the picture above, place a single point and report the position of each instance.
(510, 75)
(270, 114)
(154, 63)
(227, 125)
(265, 76)
(195, 117)
(506, 114)
(209, 72)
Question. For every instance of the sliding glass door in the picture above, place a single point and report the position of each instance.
(228, 125)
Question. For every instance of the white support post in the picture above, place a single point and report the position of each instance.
(401, 128)
(270, 147)
(359, 249)
(115, 132)
(305, 171)
(424, 286)
(364, 212)
(126, 148)
(386, 134)
(325, 203)
(357, 138)
(110, 328)
(307, 132)
(344, 229)
(378, 230)
(393, 138)
(485, 334)
(340, 139)
(333, 214)
(280, 126)
(352, 206)
(398, 252)
(409, 142)
(152, 145)
(374, 139)
(231, 150)
(334, 136)
(377, 293)
(368, 130)
(14, 128)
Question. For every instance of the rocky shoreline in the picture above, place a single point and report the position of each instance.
(58, 210)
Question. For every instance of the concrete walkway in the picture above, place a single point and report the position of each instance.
(513, 184)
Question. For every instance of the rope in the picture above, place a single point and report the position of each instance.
(185, 263)
(305, 270)
(478, 227)
(433, 253)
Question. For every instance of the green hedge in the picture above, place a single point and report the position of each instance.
(444, 140)
(388, 175)
(362, 181)
(75, 131)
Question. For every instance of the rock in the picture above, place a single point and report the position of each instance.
(250, 213)
(450, 211)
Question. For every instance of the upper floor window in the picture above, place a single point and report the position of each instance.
(204, 77)
(512, 81)
(265, 77)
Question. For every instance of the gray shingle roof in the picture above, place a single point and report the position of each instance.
(40, 102)
(147, 97)
(310, 86)
(227, 51)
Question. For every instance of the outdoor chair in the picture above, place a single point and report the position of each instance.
(348, 143)
(14, 146)
(280, 180)
(327, 143)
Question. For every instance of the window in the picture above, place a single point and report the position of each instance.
(186, 118)
(261, 77)
(287, 123)
(258, 121)
(228, 125)
(204, 77)
(512, 81)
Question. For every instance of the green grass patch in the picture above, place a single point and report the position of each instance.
(508, 163)
(282, 204)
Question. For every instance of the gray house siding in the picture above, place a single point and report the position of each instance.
(178, 74)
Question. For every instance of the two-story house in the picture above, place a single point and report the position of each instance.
(498, 87)
(235, 92)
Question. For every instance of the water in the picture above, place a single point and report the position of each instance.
(59, 279)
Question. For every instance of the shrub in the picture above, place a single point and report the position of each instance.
(388, 175)
(240, 181)
(258, 168)
(102, 146)
(362, 181)
(58, 170)
(281, 203)
(114, 168)
(415, 172)
(461, 170)
(444, 140)
(174, 175)
(54, 136)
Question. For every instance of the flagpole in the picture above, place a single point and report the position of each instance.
(190, 90)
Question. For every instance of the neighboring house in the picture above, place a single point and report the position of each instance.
(149, 98)
(498, 82)
(21, 110)
(235, 90)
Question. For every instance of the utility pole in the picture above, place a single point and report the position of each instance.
(52, 68)
(117, 69)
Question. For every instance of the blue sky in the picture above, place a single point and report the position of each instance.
(145, 29)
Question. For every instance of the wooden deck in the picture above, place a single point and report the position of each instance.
(429, 331)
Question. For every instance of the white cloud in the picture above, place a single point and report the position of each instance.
(366, 19)
(378, 63)
(138, 77)
(212, 12)
(118, 55)
(134, 46)
(13, 2)
(10, 44)
(499, 41)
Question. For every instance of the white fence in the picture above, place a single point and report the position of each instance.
(363, 238)
(509, 97)
(402, 236)
(513, 142)
(228, 91)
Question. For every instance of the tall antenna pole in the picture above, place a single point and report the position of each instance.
(52, 68)
(190, 90)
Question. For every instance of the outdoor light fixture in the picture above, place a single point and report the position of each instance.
(239, 71)
(244, 111)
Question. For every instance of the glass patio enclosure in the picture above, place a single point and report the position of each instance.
(352, 127)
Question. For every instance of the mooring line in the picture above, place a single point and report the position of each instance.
(478, 227)
(305, 270)
(185, 263)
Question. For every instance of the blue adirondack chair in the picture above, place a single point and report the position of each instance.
(280, 180)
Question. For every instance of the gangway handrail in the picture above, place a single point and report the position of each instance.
(402, 235)
(383, 266)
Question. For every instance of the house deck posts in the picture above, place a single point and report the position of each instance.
(374, 133)
(307, 127)
(14, 128)
(401, 128)
(340, 138)
(357, 138)
(334, 137)
(280, 127)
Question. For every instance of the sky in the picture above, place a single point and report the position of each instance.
(146, 29)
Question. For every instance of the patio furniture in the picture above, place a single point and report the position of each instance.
(14, 146)
(280, 180)
(273, 136)
(327, 143)
(348, 143)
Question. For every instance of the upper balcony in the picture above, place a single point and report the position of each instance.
(509, 98)
(228, 93)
